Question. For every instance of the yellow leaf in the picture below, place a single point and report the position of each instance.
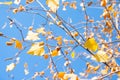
(101, 56)
(36, 49)
(6, 3)
(91, 44)
(53, 4)
(32, 36)
(10, 67)
(59, 40)
(18, 44)
(55, 52)
(73, 54)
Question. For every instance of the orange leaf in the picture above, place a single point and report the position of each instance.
(61, 75)
(18, 44)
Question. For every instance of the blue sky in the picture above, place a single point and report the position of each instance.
(37, 63)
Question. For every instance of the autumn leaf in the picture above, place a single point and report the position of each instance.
(29, 1)
(32, 36)
(36, 49)
(101, 56)
(53, 4)
(91, 44)
(59, 40)
(10, 67)
(55, 52)
(17, 2)
(73, 54)
(41, 30)
(6, 3)
(18, 44)
(61, 75)
(103, 3)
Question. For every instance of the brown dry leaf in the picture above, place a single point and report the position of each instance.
(75, 34)
(10, 43)
(73, 5)
(107, 30)
(18, 44)
(53, 5)
(109, 24)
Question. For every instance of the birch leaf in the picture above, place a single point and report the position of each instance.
(101, 56)
(6, 3)
(18, 44)
(10, 67)
(36, 49)
(32, 36)
(53, 4)
(91, 44)
(17, 2)
(73, 54)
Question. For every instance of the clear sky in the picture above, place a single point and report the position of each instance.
(37, 63)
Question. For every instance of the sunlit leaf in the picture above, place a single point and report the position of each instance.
(36, 49)
(61, 75)
(10, 67)
(6, 3)
(59, 40)
(73, 54)
(32, 36)
(46, 56)
(17, 2)
(55, 52)
(101, 56)
(18, 44)
(73, 5)
(53, 4)
(41, 30)
(91, 44)
(29, 1)
(103, 3)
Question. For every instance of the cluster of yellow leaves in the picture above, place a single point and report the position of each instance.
(91, 44)
(19, 9)
(64, 76)
(6, 3)
(53, 5)
(18, 44)
(37, 49)
(10, 67)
